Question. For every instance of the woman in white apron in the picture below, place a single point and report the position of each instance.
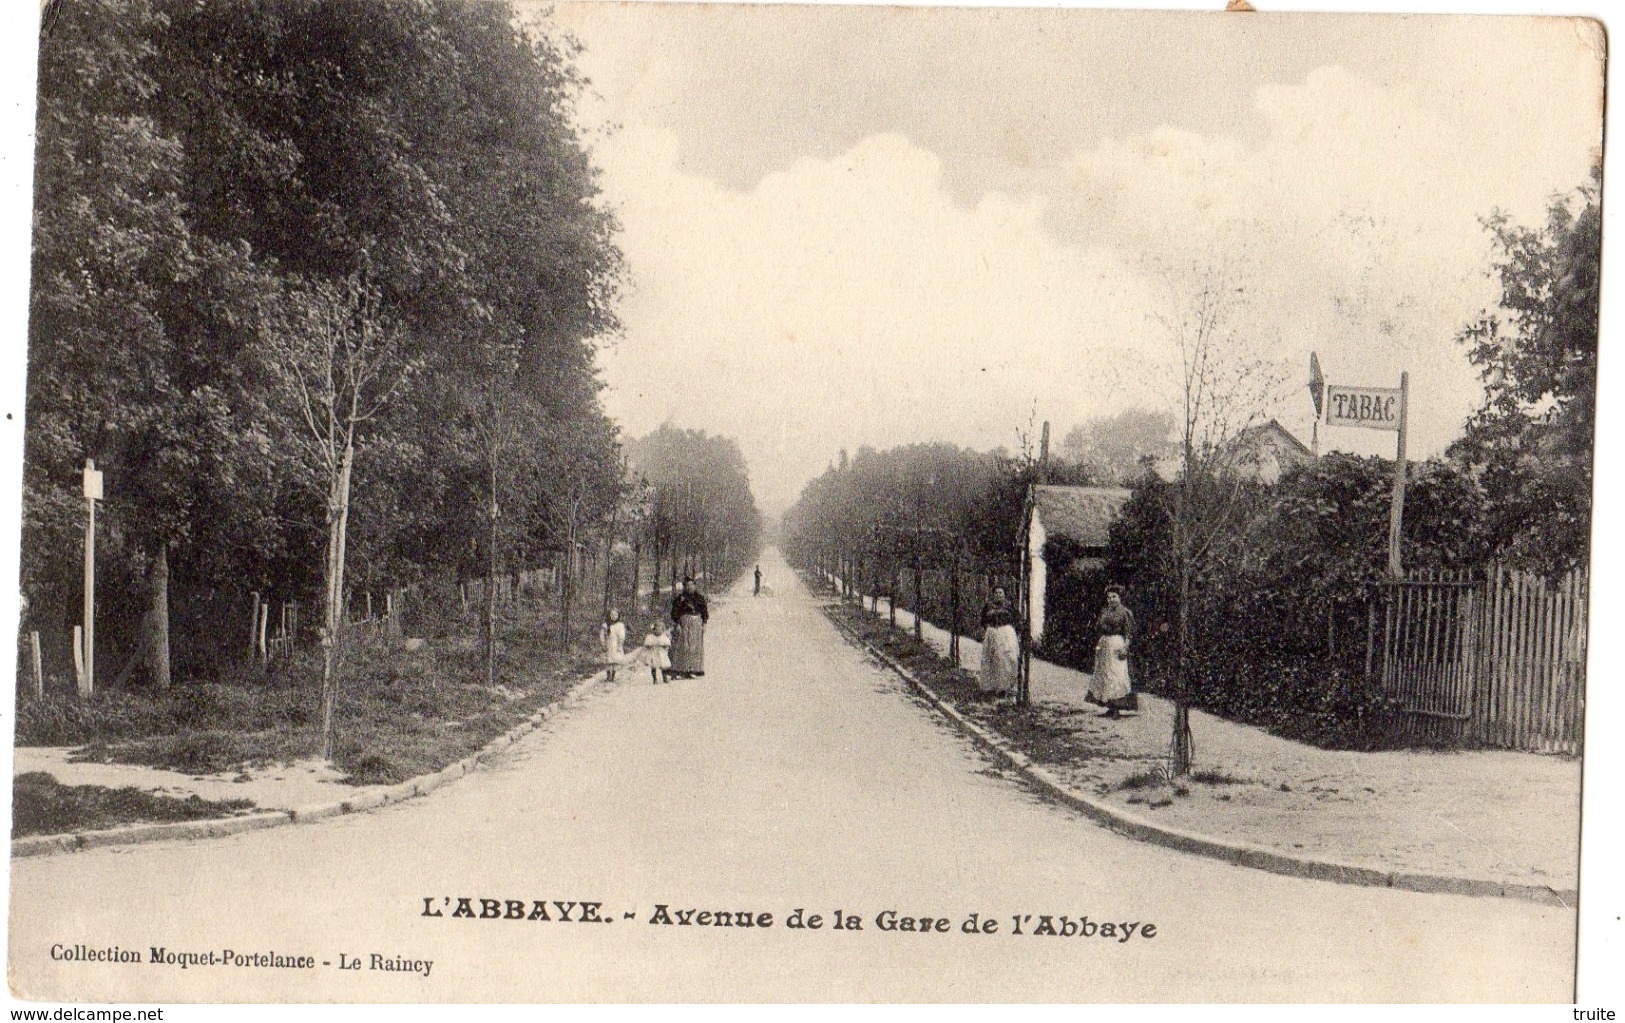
(1109, 686)
(1000, 647)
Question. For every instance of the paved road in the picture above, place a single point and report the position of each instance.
(796, 774)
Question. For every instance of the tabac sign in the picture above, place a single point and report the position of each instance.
(1373, 408)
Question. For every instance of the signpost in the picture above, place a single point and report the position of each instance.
(1317, 391)
(93, 493)
(1374, 408)
(1396, 515)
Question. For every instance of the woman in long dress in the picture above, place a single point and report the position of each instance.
(689, 613)
(1000, 648)
(1110, 686)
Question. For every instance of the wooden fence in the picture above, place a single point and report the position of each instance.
(1496, 658)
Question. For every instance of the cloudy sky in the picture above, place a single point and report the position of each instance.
(850, 226)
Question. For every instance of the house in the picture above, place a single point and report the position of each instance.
(1267, 451)
(1083, 515)
(1264, 452)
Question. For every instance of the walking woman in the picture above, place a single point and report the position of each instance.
(1000, 649)
(1109, 686)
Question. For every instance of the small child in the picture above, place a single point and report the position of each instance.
(612, 636)
(655, 645)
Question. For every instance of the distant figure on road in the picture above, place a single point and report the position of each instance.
(757, 592)
(1000, 648)
(689, 613)
(654, 651)
(612, 636)
(1109, 686)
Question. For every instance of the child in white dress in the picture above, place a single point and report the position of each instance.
(655, 645)
(612, 636)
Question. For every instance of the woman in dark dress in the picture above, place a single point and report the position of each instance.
(689, 615)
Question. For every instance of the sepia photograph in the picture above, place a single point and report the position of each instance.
(643, 502)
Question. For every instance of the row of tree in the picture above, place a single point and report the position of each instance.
(318, 285)
(915, 505)
(696, 514)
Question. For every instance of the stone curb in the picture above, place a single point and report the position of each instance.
(1238, 853)
(138, 834)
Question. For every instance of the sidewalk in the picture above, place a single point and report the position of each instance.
(1486, 814)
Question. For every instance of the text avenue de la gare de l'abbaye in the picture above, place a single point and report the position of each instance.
(462, 908)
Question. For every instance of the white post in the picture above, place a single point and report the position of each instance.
(1396, 516)
(93, 490)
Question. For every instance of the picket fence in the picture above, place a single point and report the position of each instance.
(1494, 658)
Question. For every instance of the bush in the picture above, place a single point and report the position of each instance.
(1316, 702)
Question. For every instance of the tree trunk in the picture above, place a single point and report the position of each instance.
(654, 581)
(338, 516)
(637, 568)
(609, 568)
(160, 618)
(891, 596)
(919, 628)
(567, 586)
(491, 594)
(1179, 749)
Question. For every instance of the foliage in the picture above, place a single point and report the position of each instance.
(1531, 441)
(701, 516)
(1277, 619)
(208, 173)
(934, 502)
(1115, 448)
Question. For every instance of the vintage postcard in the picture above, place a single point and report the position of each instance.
(639, 502)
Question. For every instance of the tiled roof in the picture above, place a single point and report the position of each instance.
(1082, 514)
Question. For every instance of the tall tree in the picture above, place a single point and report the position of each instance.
(1537, 353)
(336, 362)
(1222, 389)
(1113, 447)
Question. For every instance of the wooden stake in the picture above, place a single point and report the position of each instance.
(79, 657)
(39, 668)
(254, 628)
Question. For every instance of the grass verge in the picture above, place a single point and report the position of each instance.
(1046, 735)
(399, 713)
(40, 805)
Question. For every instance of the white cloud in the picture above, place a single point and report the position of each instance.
(851, 300)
